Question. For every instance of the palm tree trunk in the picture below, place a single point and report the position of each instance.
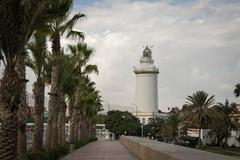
(226, 136)
(79, 131)
(71, 127)
(76, 115)
(54, 140)
(199, 137)
(53, 101)
(60, 118)
(60, 126)
(83, 130)
(22, 108)
(38, 92)
(10, 94)
(63, 123)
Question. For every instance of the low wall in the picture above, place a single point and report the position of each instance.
(146, 149)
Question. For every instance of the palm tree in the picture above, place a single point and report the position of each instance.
(66, 83)
(59, 26)
(170, 126)
(80, 55)
(37, 62)
(227, 112)
(237, 90)
(90, 105)
(17, 23)
(52, 10)
(199, 111)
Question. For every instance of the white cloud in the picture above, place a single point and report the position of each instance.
(225, 87)
(196, 47)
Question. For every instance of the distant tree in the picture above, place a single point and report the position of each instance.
(121, 123)
(101, 118)
(237, 90)
(170, 126)
(226, 120)
(154, 128)
(198, 110)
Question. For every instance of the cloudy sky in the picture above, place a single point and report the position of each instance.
(196, 46)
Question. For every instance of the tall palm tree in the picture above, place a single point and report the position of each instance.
(66, 83)
(237, 90)
(37, 62)
(59, 27)
(53, 9)
(199, 111)
(228, 117)
(80, 55)
(17, 23)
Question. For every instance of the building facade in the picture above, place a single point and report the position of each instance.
(146, 91)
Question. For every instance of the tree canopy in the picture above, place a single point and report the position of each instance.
(121, 123)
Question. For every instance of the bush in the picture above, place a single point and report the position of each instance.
(79, 144)
(93, 139)
(56, 153)
(52, 154)
(39, 155)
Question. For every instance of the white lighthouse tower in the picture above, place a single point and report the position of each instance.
(146, 92)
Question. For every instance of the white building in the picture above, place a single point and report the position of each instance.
(146, 92)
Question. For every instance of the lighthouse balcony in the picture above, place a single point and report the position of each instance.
(146, 68)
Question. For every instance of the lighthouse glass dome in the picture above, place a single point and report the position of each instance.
(146, 91)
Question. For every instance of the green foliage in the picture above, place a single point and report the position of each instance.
(198, 109)
(52, 154)
(79, 144)
(56, 153)
(122, 123)
(154, 128)
(170, 127)
(39, 155)
(224, 120)
(100, 119)
(237, 90)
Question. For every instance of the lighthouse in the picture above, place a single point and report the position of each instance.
(146, 91)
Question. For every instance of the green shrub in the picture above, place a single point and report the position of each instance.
(56, 153)
(79, 144)
(39, 155)
(52, 154)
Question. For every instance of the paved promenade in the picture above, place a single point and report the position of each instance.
(101, 150)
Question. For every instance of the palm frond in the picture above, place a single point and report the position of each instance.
(90, 69)
(73, 34)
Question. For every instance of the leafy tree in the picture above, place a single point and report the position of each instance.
(237, 90)
(100, 118)
(199, 111)
(154, 128)
(121, 123)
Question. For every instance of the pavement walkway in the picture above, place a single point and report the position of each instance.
(101, 150)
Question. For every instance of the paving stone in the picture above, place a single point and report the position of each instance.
(101, 150)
